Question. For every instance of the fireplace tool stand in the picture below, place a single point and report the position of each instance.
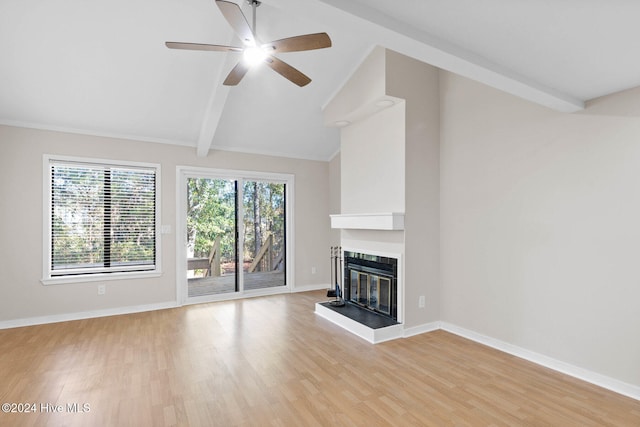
(336, 273)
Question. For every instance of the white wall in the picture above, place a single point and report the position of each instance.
(390, 163)
(417, 83)
(21, 209)
(354, 100)
(540, 229)
(372, 168)
(334, 194)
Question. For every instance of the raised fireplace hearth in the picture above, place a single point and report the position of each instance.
(370, 290)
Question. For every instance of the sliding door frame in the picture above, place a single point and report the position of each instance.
(183, 173)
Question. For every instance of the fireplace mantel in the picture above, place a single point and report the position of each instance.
(370, 221)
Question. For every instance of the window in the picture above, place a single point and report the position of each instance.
(102, 219)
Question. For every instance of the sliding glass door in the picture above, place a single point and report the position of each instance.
(212, 264)
(264, 252)
(234, 228)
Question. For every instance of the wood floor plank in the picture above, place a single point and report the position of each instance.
(271, 361)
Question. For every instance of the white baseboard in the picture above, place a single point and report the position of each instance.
(66, 317)
(31, 321)
(421, 329)
(307, 288)
(603, 381)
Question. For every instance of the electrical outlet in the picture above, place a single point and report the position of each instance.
(102, 289)
(313, 270)
(421, 301)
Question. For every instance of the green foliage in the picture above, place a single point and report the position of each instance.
(77, 221)
(211, 214)
(269, 217)
(93, 201)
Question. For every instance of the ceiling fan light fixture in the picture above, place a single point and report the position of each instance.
(253, 56)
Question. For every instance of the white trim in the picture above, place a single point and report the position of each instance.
(369, 221)
(335, 153)
(194, 171)
(290, 227)
(348, 76)
(55, 318)
(307, 288)
(151, 139)
(46, 277)
(271, 153)
(422, 329)
(603, 381)
(93, 132)
(240, 228)
(629, 390)
(612, 384)
(100, 277)
(254, 293)
(181, 235)
(237, 295)
(392, 34)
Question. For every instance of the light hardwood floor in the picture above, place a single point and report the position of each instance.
(271, 361)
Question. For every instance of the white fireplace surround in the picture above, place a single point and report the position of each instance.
(372, 335)
(369, 221)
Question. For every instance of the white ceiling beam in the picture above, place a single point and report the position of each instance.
(218, 97)
(392, 34)
(213, 113)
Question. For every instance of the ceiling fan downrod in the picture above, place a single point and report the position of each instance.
(254, 4)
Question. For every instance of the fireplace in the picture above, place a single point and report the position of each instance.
(370, 281)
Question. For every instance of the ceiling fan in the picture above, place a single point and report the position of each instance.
(255, 53)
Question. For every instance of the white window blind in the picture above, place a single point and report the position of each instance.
(103, 218)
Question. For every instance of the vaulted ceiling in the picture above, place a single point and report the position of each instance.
(101, 67)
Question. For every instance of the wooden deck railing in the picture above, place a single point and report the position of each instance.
(211, 264)
(264, 257)
(263, 261)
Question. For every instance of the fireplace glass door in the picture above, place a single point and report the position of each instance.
(370, 281)
(371, 290)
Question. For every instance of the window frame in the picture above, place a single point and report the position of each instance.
(48, 276)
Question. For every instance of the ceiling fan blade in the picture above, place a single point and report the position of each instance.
(287, 71)
(300, 43)
(201, 46)
(236, 74)
(237, 20)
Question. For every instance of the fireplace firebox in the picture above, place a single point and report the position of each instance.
(370, 281)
